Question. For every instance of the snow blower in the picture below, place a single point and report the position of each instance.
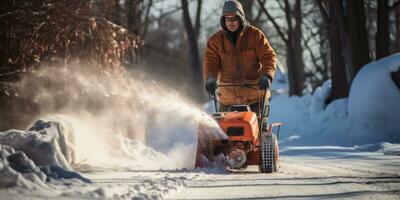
(249, 140)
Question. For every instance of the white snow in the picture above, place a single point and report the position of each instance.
(368, 115)
(50, 145)
(374, 99)
(10, 177)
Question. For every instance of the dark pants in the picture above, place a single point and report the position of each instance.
(255, 107)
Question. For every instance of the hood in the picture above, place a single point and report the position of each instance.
(233, 7)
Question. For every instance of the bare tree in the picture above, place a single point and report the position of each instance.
(382, 37)
(316, 46)
(137, 14)
(335, 28)
(292, 39)
(56, 33)
(397, 48)
(356, 28)
(192, 35)
(248, 9)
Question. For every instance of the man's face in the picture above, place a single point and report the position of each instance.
(232, 22)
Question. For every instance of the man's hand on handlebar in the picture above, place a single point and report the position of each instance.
(211, 85)
(264, 82)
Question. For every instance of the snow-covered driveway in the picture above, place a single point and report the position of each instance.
(323, 174)
(326, 172)
(305, 173)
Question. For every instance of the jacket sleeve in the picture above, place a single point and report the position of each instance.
(266, 56)
(212, 60)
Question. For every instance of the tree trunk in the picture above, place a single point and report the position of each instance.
(382, 38)
(197, 24)
(292, 39)
(290, 63)
(117, 13)
(294, 50)
(340, 86)
(193, 46)
(133, 15)
(397, 48)
(298, 49)
(247, 7)
(358, 34)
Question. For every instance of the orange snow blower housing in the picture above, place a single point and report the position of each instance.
(244, 145)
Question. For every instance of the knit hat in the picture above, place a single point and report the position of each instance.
(233, 7)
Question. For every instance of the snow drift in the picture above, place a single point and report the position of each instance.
(9, 160)
(374, 98)
(31, 158)
(46, 143)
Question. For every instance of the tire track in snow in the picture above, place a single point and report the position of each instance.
(304, 177)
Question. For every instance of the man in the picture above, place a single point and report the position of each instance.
(238, 54)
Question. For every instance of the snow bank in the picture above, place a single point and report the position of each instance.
(31, 158)
(46, 143)
(369, 115)
(16, 169)
(374, 98)
(384, 147)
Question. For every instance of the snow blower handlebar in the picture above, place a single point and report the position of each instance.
(213, 96)
(263, 109)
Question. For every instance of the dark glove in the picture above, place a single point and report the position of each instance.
(264, 82)
(211, 85)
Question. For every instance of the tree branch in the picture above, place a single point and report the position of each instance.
(394, 5)
(324, 14)
(170, 12)
(197, 24)
(288, 14)
(313, 58)
(257, 19)
(146, 19)
(277, 27)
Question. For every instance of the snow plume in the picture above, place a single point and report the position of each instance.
(113, 118)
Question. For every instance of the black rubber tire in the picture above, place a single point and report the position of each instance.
(268, 153)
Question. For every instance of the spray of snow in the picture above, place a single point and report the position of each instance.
(123, 122)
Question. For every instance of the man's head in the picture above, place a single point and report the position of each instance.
(232, 22)
(232, 15)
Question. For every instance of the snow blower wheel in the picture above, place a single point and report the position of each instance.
(268, 153)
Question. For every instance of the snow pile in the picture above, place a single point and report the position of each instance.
(374, 98)
(46, 143)
(384, 147)
(18, 170)
(31, 158)
(390, 149)
(369, 115)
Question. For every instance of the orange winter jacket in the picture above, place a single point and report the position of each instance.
(245, 63)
